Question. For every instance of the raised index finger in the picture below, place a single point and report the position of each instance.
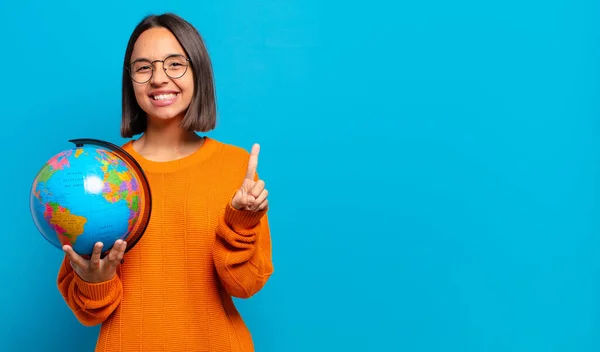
(253, 162)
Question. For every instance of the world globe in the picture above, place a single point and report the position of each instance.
(93, 192)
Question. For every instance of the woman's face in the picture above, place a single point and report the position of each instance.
(162, 97)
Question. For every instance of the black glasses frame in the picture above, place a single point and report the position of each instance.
(154, 69)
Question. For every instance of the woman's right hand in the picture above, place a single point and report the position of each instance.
(95, 269)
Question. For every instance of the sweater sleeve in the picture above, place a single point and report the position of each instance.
(91, 303)
(242, 251)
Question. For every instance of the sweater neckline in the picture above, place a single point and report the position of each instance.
(206, 149)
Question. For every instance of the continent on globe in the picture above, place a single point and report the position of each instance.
(119, 185)
(67, 225)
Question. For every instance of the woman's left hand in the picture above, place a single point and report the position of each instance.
(252, 195)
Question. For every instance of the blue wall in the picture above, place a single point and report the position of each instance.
(432, 166)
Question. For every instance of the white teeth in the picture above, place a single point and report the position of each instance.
(164, 96)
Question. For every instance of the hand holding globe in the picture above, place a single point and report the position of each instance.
(92, 201)
(97, 269)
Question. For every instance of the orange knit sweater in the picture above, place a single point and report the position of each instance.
(173, 291)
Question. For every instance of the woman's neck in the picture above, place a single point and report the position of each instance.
(166, 141)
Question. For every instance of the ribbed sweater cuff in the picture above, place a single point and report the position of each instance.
(240, 220)
(98, 291)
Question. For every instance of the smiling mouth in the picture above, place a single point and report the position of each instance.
(164, 96)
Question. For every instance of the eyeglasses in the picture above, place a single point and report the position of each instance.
(142, 70)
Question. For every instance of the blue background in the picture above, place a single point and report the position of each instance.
(432, 165)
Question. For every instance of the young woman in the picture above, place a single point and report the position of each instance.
(208, 237)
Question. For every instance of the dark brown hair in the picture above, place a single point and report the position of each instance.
(201, 114)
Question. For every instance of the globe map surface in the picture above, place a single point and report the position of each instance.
(89, 194)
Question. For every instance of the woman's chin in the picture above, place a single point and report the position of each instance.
(165, 114)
